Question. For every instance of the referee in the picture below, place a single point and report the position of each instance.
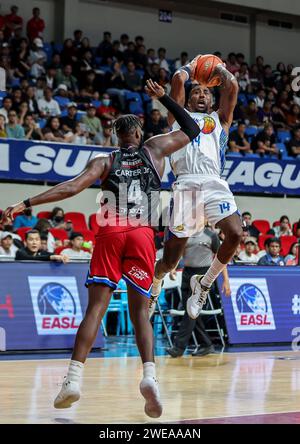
(197, 257)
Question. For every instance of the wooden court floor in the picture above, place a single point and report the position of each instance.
(216, 386)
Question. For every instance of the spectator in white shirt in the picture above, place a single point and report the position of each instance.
(48, 106)
(38, 69)
(162, 59)
(7, 247)
(76, 252)
(37, 51)
(50, 77)
(260, 98)
(247, 255)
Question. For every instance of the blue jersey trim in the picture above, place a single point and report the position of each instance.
(100, 280)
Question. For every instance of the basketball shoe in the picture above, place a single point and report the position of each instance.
(198, 299)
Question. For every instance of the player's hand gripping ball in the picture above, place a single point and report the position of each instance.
(204, 69)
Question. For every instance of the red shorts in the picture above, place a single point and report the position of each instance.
(128, 254)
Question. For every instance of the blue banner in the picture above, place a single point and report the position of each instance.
(264, 306)
(56, 162)
(43, 307)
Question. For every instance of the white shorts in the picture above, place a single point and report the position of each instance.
(197, 199)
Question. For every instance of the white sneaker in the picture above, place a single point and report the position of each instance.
(196, 302)
(150, 391)
(155, 292)
(69, 393)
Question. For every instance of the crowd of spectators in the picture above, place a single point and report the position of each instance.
(72, 92)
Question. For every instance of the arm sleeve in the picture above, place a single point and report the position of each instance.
(186, 122)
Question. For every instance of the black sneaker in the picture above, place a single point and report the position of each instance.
(174, 352)
(202, 351)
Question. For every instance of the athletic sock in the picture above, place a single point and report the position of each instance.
(75, 371)
(149, 370)
(212, 273)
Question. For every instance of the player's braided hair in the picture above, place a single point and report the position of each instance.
(126, 124)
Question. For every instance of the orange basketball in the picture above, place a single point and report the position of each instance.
(204, 68)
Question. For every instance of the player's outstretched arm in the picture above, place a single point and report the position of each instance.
(166, 144)
(93, 171)
(229, 89)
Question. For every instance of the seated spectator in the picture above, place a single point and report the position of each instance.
(6, 107)
(292, 257)
(76, 252)
(293, 117)
(92, 123)
(151, 56)
(273, 247)
(86, 64)
(25, 220)
(66, 78)
(33, 251)
(21, 59)
(284, 102)
(156, 124)
(293, 146)
(48, 106)
(68, 54)
(12, 22)
(265, 141)
(61, 96)
(129, 53)
(57, 218)
(105, 110)
(255, 77)
(259, 99)
(152, 72)
(2, 127)
(247, 221)
(238, 141)
(32, 129)
(265, 113)
(7, 247)
(184, 60)
(141, 59)
(283, 229)
(37, 51)
(161, 59)
(81, 135)
(44, 242)
(248, 255)
(38, 69)
(232, 64)
(30, 97)
(43, 226)
(132, 79)
(104, 49)
(50, 77)
(107, 138)
(243, 77)
(268, 79)
(124, 39)
(68, 122)
(116, 84)
(54, 133)
(13, 129)
(36, 25)
(250, 114)
(278, 118)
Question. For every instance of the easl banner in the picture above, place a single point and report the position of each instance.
(56, 162)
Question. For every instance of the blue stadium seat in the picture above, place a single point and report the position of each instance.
(3, 94)
(242, 99)
(233, 154)
(48, 50)
(283, 136)
(62, 101)
(134, 96)
(140, 72)
(105, 68)
(79, 115)
(253, 155)
(233, 128)
(42, 123)
(58, 47)
(96, 103)
(251, 131)
(282, 148)
(136, 108)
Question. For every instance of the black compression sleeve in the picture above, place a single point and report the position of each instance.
(187, 124)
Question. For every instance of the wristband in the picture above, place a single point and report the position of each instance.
(26, 202)
(187, 70)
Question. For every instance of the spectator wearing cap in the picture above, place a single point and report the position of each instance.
(48, 106)
(33, 250)
(36, 25)
(12, 22)
(76, 252)
(238, 141)
(61, 96)
(7, 247)
(105, 111)
(272, 258)
(248, 255)
(293, 146)
(107, 138)
(65, 77)
(265, 141)
(25, 220)
(68, 122)
(92, 122)
(13, 129)
(37, 51)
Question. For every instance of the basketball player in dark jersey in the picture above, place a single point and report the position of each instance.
(125, 243)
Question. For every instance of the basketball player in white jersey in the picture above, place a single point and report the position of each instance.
(198, 168)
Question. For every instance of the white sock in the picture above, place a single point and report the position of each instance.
(75, 371)
(149, 370)
(212, 273)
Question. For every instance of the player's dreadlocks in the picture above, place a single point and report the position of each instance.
(126, 124)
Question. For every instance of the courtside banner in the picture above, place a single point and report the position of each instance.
(264, 306)
(41, 305)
